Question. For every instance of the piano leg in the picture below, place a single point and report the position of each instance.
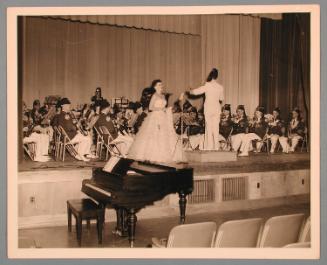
(182, 206)
(131, 220)
(121, 228)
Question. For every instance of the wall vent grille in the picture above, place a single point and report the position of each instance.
(234, 188)
(203, 191)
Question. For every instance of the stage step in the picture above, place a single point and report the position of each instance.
(210, 156)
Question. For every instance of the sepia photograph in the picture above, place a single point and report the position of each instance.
(152, 131)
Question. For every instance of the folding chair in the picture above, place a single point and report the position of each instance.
(99, 142)
(265, 141)
(239, 233)
(280, 231)
(58, 143)
(67, 144)
(305, 234)
(30, 149)
(305, 141)
(188, 236)
(111, 148)
(228, 140)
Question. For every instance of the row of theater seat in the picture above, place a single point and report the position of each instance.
(278, 231)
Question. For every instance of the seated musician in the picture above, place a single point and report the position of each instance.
(131, 116)
(225, 126)
(41, 121)
(96, 100)
(67, 121)
(275, 125)
(123, 142)
(194, 130)
(41, 141)
(120, 121)
(54, 119)
(240, 125)
(141, 114)
(257, 131)
(296, 132)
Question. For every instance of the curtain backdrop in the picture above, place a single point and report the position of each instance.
(187, 24)
(285, 64)
(231, 43)
(71, 59)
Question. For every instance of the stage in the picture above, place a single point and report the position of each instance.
(253, 182)
(253, 163)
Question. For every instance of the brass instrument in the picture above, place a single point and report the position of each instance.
(77, 123)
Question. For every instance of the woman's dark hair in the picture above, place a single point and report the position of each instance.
(155, 82)
(298, 111)
(212, 75)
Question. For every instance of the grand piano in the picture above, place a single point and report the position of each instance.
(128, 186)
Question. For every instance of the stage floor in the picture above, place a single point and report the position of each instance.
(254, 163)
(59, 237)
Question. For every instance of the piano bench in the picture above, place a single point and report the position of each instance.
(85, 209)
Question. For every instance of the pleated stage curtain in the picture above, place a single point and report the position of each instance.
(187, 24)
(285, 64)
(71, 59)
(231, 43)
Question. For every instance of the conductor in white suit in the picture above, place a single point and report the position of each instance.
(214, 96)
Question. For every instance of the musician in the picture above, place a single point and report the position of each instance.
(257, 131)
(214, 95)
(41, 122)
(35, 113)
(225, 126)
(123, 142)
(67, 121)
(240, 126)
(131, 115)
(96, 100)
(296, 132)
(41, 141)
(141, 114)
(120, 121)
(276, 127)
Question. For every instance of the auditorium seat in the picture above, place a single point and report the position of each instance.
(281, 230)
(239, 233)
(305, 235)
(299, 245)
(189, 235)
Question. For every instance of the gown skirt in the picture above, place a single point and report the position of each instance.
(157, 140)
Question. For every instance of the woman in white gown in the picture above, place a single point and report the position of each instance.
(157, 140)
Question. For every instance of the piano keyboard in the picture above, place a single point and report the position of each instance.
(106, 193)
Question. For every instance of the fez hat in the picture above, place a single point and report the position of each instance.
(261, 109)
(36, 102)
(64, 101)
(240, 107)
(226, 107)
(277, 109)
(104, 104)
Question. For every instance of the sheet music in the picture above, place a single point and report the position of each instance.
(112, 162)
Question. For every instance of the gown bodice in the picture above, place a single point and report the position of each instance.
(158, 102)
